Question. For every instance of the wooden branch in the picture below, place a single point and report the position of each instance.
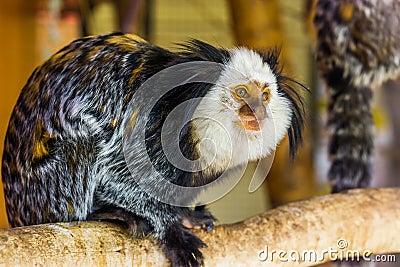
(368, 219)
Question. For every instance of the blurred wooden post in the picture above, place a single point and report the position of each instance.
(258, 24)
(17, 60)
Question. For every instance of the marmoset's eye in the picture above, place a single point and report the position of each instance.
(241, 91)
(266, 95)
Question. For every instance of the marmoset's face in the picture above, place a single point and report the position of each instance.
(253, 98)
(244, 113)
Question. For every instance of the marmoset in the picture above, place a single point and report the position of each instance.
(63, 156)
(357, 49)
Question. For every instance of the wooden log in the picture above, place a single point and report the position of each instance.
(367, 220)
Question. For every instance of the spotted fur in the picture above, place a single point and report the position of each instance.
(358, 48)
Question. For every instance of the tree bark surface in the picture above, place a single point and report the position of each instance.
(363, 220)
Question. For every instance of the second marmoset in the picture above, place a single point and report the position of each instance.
(63, 156)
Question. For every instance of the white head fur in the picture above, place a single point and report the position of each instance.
(232, 144)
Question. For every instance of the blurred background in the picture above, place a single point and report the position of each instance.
(33, 30)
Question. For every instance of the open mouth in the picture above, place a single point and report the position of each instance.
(251, 125)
